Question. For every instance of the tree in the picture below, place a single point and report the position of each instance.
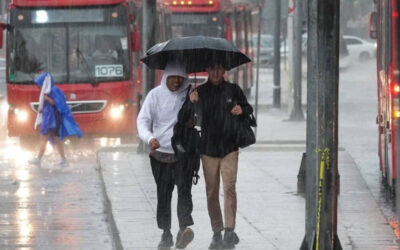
(354, 17)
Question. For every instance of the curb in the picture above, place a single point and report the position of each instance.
(112, 225)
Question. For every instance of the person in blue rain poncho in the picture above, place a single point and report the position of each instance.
(54, 117)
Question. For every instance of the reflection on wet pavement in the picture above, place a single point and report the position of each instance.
(50, 207)
(387, 205)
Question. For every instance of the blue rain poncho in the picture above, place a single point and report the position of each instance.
(58, 117)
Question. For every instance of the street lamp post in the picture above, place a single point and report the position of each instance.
(297, 111)
(148, 39)
(277, 57)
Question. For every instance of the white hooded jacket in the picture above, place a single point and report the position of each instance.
(159, 112)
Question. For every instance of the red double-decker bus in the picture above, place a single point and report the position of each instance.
(92, 49)
(230, 19)
(385, 27)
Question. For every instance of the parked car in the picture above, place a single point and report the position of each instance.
(266, 49)
(344, 56)
(360, 49)
(285, 47)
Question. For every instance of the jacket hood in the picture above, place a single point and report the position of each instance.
(40, 79)
(175, 69)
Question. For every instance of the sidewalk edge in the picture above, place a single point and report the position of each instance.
(112, 225)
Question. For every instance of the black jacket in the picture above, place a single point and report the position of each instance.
(218, 126)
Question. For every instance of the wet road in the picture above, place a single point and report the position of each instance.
(50, 207)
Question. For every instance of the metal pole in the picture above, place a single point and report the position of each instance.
(289, 38)
(3, 10)
(148, 39)
(322, 126)
(145, 30)
(311, 133)
(297, 111)
(277, 57)
(261, 5)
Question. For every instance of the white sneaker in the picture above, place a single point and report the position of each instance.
(62, 163)
(35, 161)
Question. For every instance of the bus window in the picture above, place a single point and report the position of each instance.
(197, 24)
(65, 48)
(34, 50)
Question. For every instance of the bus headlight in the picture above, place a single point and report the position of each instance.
(116, 112)
(22, 115)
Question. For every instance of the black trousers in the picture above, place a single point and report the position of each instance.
(166, 176)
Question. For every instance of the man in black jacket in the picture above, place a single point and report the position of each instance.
(221, 104)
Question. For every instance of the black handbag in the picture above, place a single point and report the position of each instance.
(245, 135)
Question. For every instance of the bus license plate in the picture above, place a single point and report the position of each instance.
(115, 70)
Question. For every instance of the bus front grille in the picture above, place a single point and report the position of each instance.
(80, 107)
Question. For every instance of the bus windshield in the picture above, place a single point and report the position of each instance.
(73, 52)
(209, 24)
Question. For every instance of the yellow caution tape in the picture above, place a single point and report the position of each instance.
(324, 162)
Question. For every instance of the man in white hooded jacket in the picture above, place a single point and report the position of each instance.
(155, 124)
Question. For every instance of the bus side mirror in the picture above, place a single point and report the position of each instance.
(135, 38)
(373, 19)
(3, 26)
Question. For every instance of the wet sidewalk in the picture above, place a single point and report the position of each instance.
(270, 213)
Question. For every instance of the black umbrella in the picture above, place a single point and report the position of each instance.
(196, 53)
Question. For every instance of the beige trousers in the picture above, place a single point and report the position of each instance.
(214, 168)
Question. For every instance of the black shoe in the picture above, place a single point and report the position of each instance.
(230, 239)
(183, 238)
(216, 241)
(166, 240)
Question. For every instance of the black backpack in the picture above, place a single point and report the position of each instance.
(186, 139)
